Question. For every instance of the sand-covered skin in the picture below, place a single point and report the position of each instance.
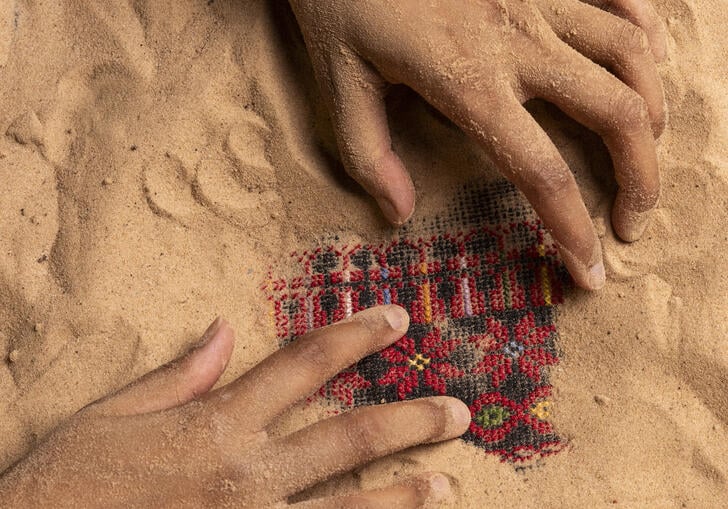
(159, 155)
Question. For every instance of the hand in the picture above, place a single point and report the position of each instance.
(477, 62)
(165, 441)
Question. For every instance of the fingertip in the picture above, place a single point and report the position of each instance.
(460, 417)
(433, 487)
(179, 381)
(211, 357)
(597, 276)
(658, 42)
(397, 210)
(384, 324)
(210, 332)
(630, 225)
(367, 154)
(397, 318)
(220, 333)
(393, 189)
(440, 489)
(588, 274)
(226, 336)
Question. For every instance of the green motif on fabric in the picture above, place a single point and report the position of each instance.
(492, 416)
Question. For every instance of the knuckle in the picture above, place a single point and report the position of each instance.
(553, 182)
(225, 483)
(632, 40)
(629, 111)
(362, 434)
(312, 354)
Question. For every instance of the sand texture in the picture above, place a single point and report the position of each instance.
(158, 155)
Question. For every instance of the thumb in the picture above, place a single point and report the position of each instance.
(355, 95)
(177, 382)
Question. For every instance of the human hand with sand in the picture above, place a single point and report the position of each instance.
(478, 62)
(166, 440)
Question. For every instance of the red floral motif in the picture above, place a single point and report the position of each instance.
(427, 362)
(342, 387)
(526, 348)
(495, 362)
(532, 337)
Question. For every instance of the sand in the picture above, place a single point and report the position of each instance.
(158, 155)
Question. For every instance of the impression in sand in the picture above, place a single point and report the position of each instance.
(159, 154)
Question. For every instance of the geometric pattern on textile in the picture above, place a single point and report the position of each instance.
(480, 286)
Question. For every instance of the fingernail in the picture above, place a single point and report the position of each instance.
(636, 226)
(460, 414)
(439, 488)
(397, 318)
(588, 274)
(392, 213)
(210, 332)
(597, 276)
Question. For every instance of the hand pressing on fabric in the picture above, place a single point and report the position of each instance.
(166, 441)
(478, 62)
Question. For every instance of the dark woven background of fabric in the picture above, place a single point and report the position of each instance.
(480, 284)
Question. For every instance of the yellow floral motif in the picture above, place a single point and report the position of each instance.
(542, 409)
(419, 362)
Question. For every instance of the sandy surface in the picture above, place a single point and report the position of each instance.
(158, 154)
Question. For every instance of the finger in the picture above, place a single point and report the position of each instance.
(614, 43)
(524, 153)
(425, 489)
(300, 368)
(178, 382)
(527, 156)
(355, 94)
(643, 14)
(347, 441)
(595, 98)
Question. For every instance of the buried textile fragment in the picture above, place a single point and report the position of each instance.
(480, 286)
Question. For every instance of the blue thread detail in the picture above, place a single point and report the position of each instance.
(513, 349)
